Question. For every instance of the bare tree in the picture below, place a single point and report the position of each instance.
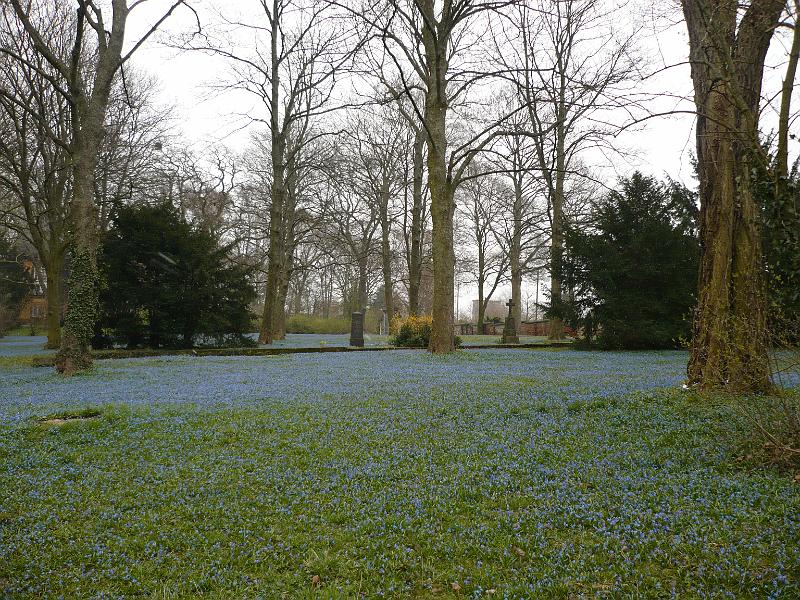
(86, 84)
(521, 226)
(569, 71)
(135, 127)
(353, 220)
(297, 49)
(378, 148)
(415, 220)
(433, 49)
(481, 200)
(34, 162)
(415, 195)
(728, 44)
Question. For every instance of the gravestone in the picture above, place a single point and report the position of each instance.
(510, 329)
(357, 329)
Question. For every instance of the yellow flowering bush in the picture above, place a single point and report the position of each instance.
(411, 331)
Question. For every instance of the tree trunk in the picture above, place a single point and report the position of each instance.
(515, 255)
(275, 259)
(557, 242)
(300, 288)
(782, 152)
(279, 322)
(730, 341)
(361, 292)
(327, 295)
(417, 226)
(54, 270)
(88, 112)
(82, 304)
(481, 305)
(441, 190)
(278, 191)
(386, 255)
(442, 248)
(284, 277)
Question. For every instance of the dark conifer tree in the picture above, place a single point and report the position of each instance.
(635, 273)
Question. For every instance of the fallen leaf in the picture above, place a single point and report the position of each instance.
(316, 581)
(455, 586)
(602, 586)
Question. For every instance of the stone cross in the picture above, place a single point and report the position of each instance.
(510, 329)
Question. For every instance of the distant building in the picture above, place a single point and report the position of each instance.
(34, 309)
(495, 309)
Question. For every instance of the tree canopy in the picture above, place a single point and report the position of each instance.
(168, 284)
(636, 270)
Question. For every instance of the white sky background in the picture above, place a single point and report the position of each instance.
(663, 146)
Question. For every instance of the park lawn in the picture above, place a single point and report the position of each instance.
(493, 473)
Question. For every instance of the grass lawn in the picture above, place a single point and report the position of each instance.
(485, 474)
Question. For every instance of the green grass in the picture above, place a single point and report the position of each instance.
(532, 474)
(24, 330)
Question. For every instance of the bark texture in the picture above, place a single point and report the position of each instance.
(276, 253)
(417, 224)
(730, 338)
(386, 252)
(89, 109)
(782, 152)
(557, 232)
(54, 283)
(436, 47)
(515, 253)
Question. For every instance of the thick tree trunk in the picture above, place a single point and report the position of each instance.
(82, 302)
(275, 259)
(729, 346)
(88, 112)
(442, 247)
(417, 226)
(730, 341)
(278, 190)
(441, 189)
(284, 277)
(54, 270)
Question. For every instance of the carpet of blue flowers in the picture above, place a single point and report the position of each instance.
(485, 474)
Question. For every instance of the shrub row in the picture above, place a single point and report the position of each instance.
(319, 325)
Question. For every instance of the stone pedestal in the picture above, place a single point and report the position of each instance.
(357, 329)
(510, 332)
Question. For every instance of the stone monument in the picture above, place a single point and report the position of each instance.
(510, 328)
(357, 329)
